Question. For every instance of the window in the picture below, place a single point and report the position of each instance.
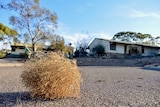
(21, 47)
(13, 48)
(142, 49)
(112, 46)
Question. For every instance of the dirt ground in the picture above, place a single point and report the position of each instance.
(101, 87)
(8, 62)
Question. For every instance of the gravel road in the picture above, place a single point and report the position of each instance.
(101, 87)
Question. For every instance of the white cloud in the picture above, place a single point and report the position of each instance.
(102, 35)
(127, 11)
(75, 38)
(140, 14)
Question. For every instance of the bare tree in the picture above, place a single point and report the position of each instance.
(81, 49)
(82, 45)
(32, 20)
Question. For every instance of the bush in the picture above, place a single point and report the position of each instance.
(2, 54)
(52, 77)
(99, 49)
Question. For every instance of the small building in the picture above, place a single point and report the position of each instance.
(20, 51)
(125, 48)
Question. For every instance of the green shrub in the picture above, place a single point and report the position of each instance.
(99, 49)
(2, 54)
(52, 77)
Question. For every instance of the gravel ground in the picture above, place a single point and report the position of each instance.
(101, 87)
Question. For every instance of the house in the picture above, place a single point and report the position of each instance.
(20, 51)
(125, 48)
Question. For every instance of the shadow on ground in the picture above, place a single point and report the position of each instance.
(150, 68)
(15, 98)
(11, 99)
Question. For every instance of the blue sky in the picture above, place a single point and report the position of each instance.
(83, 20)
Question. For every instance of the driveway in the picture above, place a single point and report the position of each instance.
(11, 62)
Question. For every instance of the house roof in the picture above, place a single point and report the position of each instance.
(123, 42)
(22, 44)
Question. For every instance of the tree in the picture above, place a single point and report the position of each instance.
(82, 45)
(156, 40)
(57, 43)
(6, 34)
(99, 49)
(16, 40)
(68, 49)
(81, 49)
(32, 20)
(4, 30)
(132, 37)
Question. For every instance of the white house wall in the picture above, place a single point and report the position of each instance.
(106, 44)
(150, 51)
(119, 49)
(18, 51)
(98, 42)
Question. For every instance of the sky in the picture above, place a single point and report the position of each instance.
(84, 20)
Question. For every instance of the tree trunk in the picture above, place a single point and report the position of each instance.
(33, 47)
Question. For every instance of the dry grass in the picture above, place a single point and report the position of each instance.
(52, 77)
